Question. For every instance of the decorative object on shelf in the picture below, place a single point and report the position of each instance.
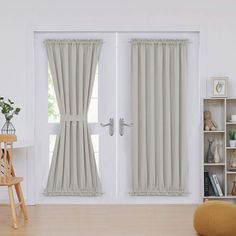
(220, 86)
(232, 141)
(233, 192)
(209, 124)
(210, 156)
(233, 119)
(216, 154)
(232, 163)
(8, 111)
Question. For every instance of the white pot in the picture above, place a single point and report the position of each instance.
(232, 143)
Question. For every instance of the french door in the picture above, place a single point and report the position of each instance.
(110, 118)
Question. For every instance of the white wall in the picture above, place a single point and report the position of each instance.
(214, 19)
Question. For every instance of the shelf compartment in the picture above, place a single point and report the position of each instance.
(231, 127)
(219, 171)
(230, 155)
(230, 108)
(231, 177)
(217, 109)
(219, 139)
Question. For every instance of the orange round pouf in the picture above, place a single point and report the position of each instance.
(215, 218)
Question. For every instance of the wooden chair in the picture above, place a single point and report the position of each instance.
(8, 178)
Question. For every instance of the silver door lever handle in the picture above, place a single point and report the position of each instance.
(111, 126)
(122, 125)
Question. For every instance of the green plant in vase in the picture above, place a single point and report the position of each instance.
(9, 111)
(232, 141)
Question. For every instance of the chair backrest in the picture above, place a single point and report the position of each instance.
(6, 145)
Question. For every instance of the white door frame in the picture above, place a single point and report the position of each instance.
(32, 73)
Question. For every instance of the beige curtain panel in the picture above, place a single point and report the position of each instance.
(73, 169)
(159, 77)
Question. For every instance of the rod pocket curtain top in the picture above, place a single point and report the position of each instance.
(73, 170)
(159, 77)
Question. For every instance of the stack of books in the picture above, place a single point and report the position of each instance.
(211, 181)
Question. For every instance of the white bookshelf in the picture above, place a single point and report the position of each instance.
(221, 110)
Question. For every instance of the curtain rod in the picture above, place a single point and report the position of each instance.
(146, 40)
(103, 42)
(73, 41)
(116, 31)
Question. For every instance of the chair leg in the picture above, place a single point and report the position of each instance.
(21, 200)
(13, 207)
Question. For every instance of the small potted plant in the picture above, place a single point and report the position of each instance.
(8, 110)
(232, 141)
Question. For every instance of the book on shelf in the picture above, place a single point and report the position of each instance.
(217, 185)
(213, 185)
(206, 184)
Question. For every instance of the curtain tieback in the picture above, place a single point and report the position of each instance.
(73, 117)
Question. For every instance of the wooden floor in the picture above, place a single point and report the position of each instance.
(104, 220)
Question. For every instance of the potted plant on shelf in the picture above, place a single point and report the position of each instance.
(232, 141)
(8, 110)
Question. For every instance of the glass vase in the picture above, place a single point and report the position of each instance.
(210, 156)
(8, 128)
